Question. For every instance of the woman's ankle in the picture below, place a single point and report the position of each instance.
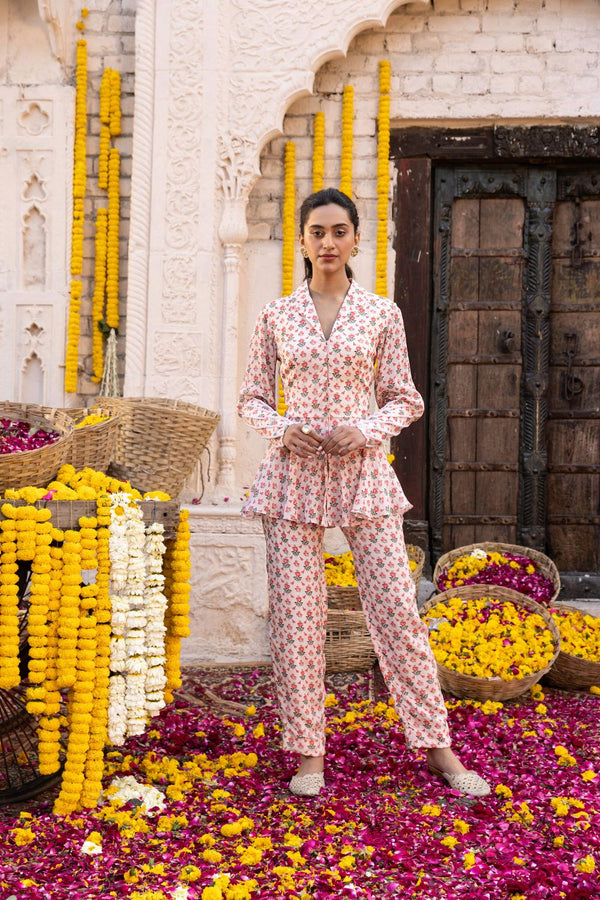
(310, 764)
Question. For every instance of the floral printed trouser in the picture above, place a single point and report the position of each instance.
(297, 619)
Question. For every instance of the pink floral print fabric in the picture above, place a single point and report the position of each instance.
(298, 615)
(329, 383)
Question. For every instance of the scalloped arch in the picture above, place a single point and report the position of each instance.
(306, 66)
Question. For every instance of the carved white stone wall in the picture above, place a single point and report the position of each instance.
(229, 608)
(35, 142)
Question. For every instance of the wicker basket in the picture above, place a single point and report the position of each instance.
(543, 563)
(36, 467)
(348, 645)
(416, 554)
(94, 445)
(572, 673)
(495, 688)
(347, 596)
(159, 441)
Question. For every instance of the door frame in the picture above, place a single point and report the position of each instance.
(417, 151)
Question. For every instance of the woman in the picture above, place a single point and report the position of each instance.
(326, 466)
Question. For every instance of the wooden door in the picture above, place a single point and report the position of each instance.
(479, 266)
(573, 428)
(515, 360)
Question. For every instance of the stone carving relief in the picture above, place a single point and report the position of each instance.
(33, 235)
(34, 350)
(33, 272)
(34, 118)
(225, 524)
(179, 290)
(176, 357)
(177, 352)
(237, 169)
(303, 33)
(228, 618)
(34, 188)
(55, 13)
(4, 273)
(184, 132)
(295, 39)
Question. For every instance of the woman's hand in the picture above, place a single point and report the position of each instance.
(344, 439)
(304, 445)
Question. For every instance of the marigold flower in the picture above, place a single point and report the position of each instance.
(587, 864)
(469, 860)
(449, 841)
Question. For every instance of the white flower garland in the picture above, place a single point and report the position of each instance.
(156, 606)
(137, 651)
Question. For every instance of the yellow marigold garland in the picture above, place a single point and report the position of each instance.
(79, 157)
(81, 708)
(99, 293)
(347, 140)
(318, 166)
(177, 567)
(49, 724)
(72, 353)
(69, 615)
(112, 240)
(70, 626)
(9, 607)
(39, 607)
(383, 177)
(103, 157)
(289, 236)
(114, 122)
(289, 230)
(94, 763)
(78, 194)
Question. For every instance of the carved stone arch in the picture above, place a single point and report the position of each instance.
(329, 41)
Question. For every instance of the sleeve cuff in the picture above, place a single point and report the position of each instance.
(372, 440)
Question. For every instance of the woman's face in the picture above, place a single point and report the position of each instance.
(329, 237)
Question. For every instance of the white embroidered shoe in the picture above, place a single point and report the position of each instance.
(307, 785)
(469, 783)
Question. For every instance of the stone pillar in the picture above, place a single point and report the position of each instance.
(237, 172)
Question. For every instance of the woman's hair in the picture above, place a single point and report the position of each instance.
(324, 198)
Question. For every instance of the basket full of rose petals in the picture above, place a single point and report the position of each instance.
(35, 441)
(577, 667)
(489, 643)
(520, 569)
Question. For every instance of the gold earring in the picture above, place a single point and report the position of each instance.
(304, 252)
(354, 251)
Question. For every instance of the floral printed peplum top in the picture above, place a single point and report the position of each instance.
(328, 382)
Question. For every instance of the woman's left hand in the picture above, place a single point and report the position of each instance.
(344, 439)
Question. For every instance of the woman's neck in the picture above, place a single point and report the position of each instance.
(335, 287)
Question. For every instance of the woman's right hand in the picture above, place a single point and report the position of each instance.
(304, 445)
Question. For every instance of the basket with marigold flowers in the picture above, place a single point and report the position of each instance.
(489, 643)
(577, 667)
(521, 569)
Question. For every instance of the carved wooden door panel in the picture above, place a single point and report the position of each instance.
(490, 338)
(573, 427)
